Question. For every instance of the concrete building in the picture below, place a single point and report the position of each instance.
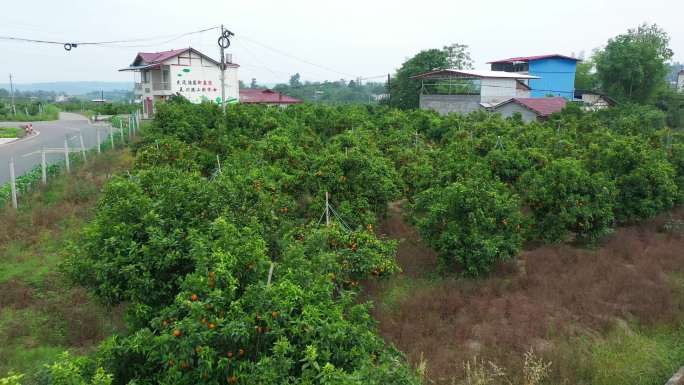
(464, 91)
(555, 73)
(594, 100)
(680, 81)
(267, 97)
(186, 72)
(531, 109)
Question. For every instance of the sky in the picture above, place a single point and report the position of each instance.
(320, 39)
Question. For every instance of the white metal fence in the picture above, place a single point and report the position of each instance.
(117, 132)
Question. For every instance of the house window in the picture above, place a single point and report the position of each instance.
(145, 76)
(166, 74)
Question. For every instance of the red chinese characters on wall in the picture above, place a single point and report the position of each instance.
(186, 86)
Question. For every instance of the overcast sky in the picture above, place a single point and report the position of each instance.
(344, 39)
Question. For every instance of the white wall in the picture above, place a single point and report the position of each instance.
(680, 82)
(199, 79)
(523, 94)
(498, 90)
(509, 109)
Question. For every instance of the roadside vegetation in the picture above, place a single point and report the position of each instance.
(11, 132)
(41, 314)
(28, 112)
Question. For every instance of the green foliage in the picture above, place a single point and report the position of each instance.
(566, 199)
(113, 108)
(228, 323)
(11, 379)
(644, 178)
(218, 261)
(475, 223)
(335, 93)
(585, 77)
(29, 112)
(357, 176)
(76, 371)
(637, 357)
(404, 91)
(10, 132)
(632, 66)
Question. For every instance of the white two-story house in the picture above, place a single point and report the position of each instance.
(186, 72)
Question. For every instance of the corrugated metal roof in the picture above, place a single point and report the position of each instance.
(525, 59)
(482, 74)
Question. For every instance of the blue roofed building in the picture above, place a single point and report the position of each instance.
(556, 73)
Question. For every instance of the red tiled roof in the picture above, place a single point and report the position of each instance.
(157, 57)
(541, 106)
(253, 95)
(530, 58)
(160, 57)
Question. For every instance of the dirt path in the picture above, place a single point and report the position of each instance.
(415, 258)
(554, 293)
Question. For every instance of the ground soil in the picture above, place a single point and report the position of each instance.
(550, 292)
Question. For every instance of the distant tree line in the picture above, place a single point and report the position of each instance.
(51, 96)
(329, 92)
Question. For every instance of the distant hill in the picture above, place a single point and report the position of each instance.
(72, 88)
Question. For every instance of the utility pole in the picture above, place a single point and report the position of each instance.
(224, 43)
(14, 107)
(223, 71)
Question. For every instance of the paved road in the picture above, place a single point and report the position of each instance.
(51, 135)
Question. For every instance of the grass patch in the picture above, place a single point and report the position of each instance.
(10, 132)
(609, 315)
(641, 357)
(50, 112)
(41, 315)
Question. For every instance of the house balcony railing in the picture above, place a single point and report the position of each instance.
(138, 86)
(161, 86)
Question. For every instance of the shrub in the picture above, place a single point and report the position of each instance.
(565, 198)
(475, 222)
(228, 323)
(645, 180)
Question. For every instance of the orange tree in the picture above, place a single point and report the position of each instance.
(566, 199)
(644, 178)
(359, 178)
(138, 245)
(229, 325)
(473, 223)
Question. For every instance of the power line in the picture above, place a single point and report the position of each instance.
(68, 45)
(263, 65)
(176, 37)
(276, 50)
